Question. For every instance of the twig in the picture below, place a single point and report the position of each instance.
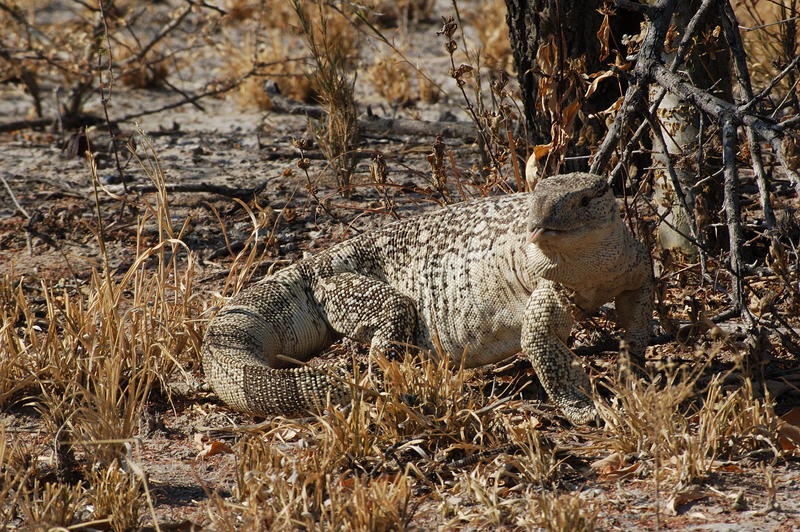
(661, 145)
(762, 26)
(14, 198)
(72, 121)
(105, 97)
(753, 100)
(732, 210)
(677, 60)
(373, 123)
(230, 192)
(719, 108)
(788, 124)
(171, 25)
(649, 54)
(729, 24)
(21, 19)
(212, 92)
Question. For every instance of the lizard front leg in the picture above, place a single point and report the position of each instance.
(634, 312)
(546, 326)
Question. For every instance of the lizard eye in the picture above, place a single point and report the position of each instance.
(585, 201)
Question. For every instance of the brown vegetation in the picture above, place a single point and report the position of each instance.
(106, 290)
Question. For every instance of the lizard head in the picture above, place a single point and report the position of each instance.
(566, 209)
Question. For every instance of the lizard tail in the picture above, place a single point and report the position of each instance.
(242, 346)
(255, 388)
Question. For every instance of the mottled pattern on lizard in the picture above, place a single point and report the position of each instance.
(484, 279)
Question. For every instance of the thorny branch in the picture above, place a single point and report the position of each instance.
(729, 23)
(635, 95)
(729, 149)
(650, 68)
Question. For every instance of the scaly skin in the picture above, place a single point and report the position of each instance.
(484, 279)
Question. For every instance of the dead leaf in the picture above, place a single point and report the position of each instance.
(613, 108)
(623, 473)
(730, 468)
(540, 151)
(569, 113)
(684, 497)
(789, 430)
(604, 36)
(613, 461)
(596, 81)
(214, 447)
(614, 467)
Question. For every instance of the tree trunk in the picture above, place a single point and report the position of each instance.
(555, 45)
(708, 67)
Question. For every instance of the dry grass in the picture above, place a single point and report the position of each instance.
(680, 428)
(391, 79)
(91, 366)
(771, 36)
(489, 20)
(431, 446)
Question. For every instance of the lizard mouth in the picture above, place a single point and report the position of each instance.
(538, 232)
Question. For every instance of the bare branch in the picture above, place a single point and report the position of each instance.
(661, 145)
(732, 209)
(649, 53)
(734, 38)
(747, 107)
(719, 109)
(171, 25)
(788, 124)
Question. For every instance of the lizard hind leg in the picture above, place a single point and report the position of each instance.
(367, 310)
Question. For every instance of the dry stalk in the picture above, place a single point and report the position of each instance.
(333, 81)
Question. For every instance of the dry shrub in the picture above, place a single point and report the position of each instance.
(562, 513)
(681, 427)
(47, 505)
(427, 395)
(333, 45)
(146, 72)
(14, 471)
(70, 45)
(263, 13)
(428, 91)
(64, 54)
(91, 365)
(389, 14)
(279, 59)
(286, 486)
(238, 11)
(489, 19)
(770, 46)
(392, 79)
(499, 495)
(116, 496)
(103, 347)
(353, 469)
(17, 373)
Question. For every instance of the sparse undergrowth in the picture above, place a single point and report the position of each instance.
(93, 365)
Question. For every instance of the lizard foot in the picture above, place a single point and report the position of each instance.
(578, 410)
